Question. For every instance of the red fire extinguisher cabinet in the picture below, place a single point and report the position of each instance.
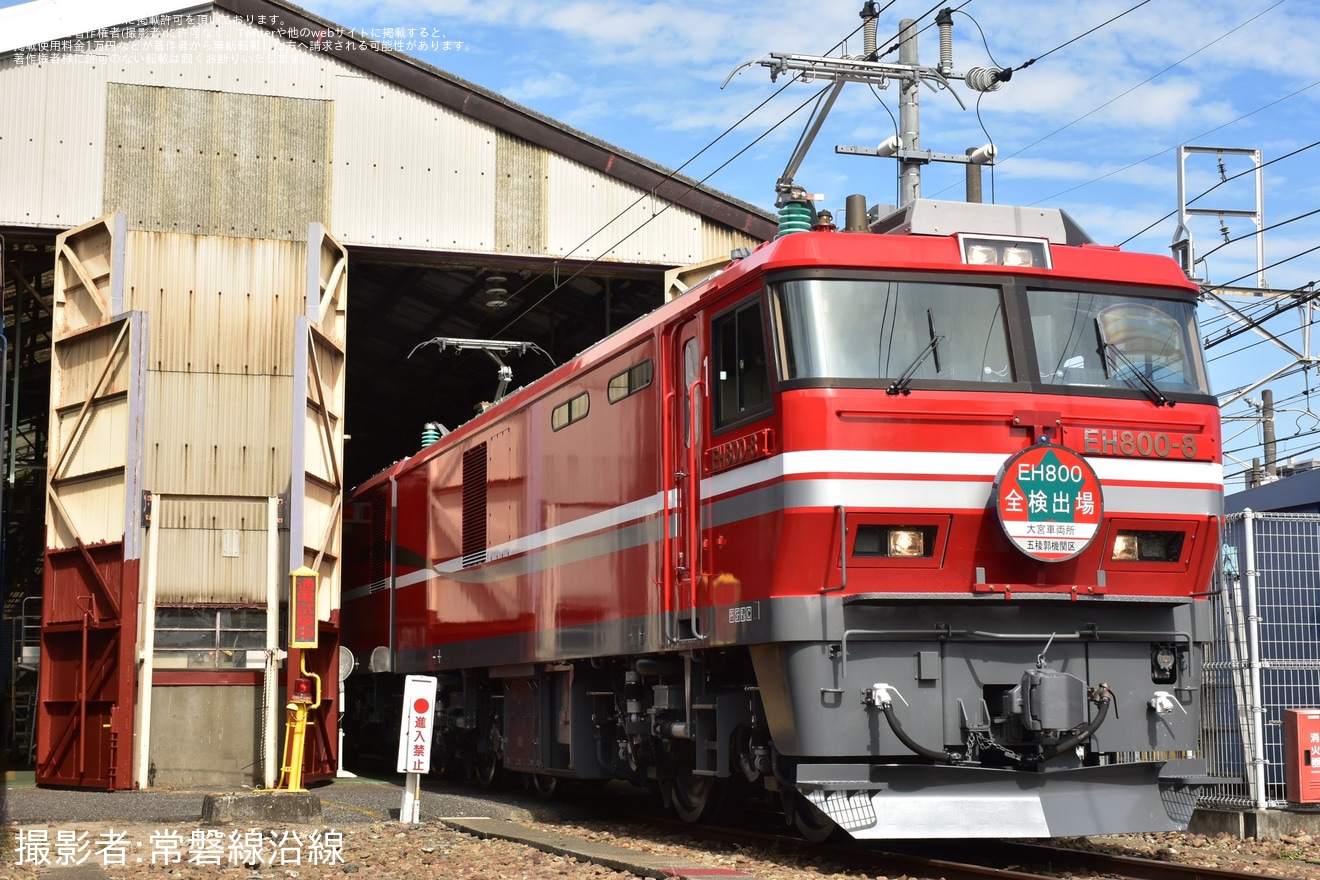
(1301, 744)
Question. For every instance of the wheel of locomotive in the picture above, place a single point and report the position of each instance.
(487, 769)
(811, 823)
(695, 798)
(544, 785)
(487, 765)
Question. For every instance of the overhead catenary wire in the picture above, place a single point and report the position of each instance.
(1230, 178)
(1024, 65)
(1080, 36)
(1144, 82)
(1159, 153)
(560, 283)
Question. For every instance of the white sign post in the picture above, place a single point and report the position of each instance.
(415, 742)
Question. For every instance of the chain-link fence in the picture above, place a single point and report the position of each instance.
(1266, 654)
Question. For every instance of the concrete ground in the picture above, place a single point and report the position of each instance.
(343, 802)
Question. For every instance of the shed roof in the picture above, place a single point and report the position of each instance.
(44, 20)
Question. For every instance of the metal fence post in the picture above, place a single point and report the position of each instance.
(1255, 706)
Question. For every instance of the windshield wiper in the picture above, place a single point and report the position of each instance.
(900, 385)
(1142, 382)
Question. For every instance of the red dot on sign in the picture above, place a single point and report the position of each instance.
(421, 706)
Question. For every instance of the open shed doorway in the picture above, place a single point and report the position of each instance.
(398, 300)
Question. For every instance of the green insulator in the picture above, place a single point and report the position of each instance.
(430, 433)
(795, 217)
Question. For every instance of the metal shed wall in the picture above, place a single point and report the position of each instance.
(144, 128)
(428, 183)
(51, 162)
(220, 394)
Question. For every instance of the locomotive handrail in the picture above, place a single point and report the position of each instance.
(944, 633)
(843, 551)
(693, 500)
(667, 541)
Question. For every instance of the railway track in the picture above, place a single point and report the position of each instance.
(958, 860)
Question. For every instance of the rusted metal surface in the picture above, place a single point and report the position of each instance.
(85, 722)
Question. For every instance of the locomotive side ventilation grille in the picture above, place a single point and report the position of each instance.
(380, 548)
(474, 505)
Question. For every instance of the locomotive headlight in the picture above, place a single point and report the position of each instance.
(907, 542)
(1125, 547)
(1147, 546)
(996, 250)
(877, 541)
(1018, 256)
(982, 255)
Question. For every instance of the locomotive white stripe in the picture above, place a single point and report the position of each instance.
(1172, 487)
(964, 464)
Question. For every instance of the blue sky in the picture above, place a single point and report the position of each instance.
(1092, 126)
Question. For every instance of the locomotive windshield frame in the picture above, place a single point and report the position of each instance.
(992, 333)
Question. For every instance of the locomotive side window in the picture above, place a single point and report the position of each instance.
(879, 329)
(1115, 341)
(630, 381)
(570, 411)
(742, 373)
(691, 376)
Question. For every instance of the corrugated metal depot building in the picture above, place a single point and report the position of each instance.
(221, 243)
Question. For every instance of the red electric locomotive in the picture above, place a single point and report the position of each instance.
(905, 526)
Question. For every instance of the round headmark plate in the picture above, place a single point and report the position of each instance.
(1049, 502)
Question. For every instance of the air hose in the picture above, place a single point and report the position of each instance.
(1103, 697)
(934, 754)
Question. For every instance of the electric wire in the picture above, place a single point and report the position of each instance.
(1256, 232)
(1145, 81)
(995, 62)
(1024, 65)
(669, 203)
(1228, 179)
(671, 176)
(1159, 153)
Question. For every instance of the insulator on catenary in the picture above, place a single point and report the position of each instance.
(870, 16)
(945, 21)
(984, 79)
(795, 216)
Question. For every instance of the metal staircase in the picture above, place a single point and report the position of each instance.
(28, 276)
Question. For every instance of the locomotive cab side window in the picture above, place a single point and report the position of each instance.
(742, 370)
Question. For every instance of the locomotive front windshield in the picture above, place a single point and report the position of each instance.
(1115, 341)
(924, 331)
(874, 329)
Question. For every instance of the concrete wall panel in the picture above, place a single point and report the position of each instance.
(522, 212)
(218, 754)
(207, 162)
